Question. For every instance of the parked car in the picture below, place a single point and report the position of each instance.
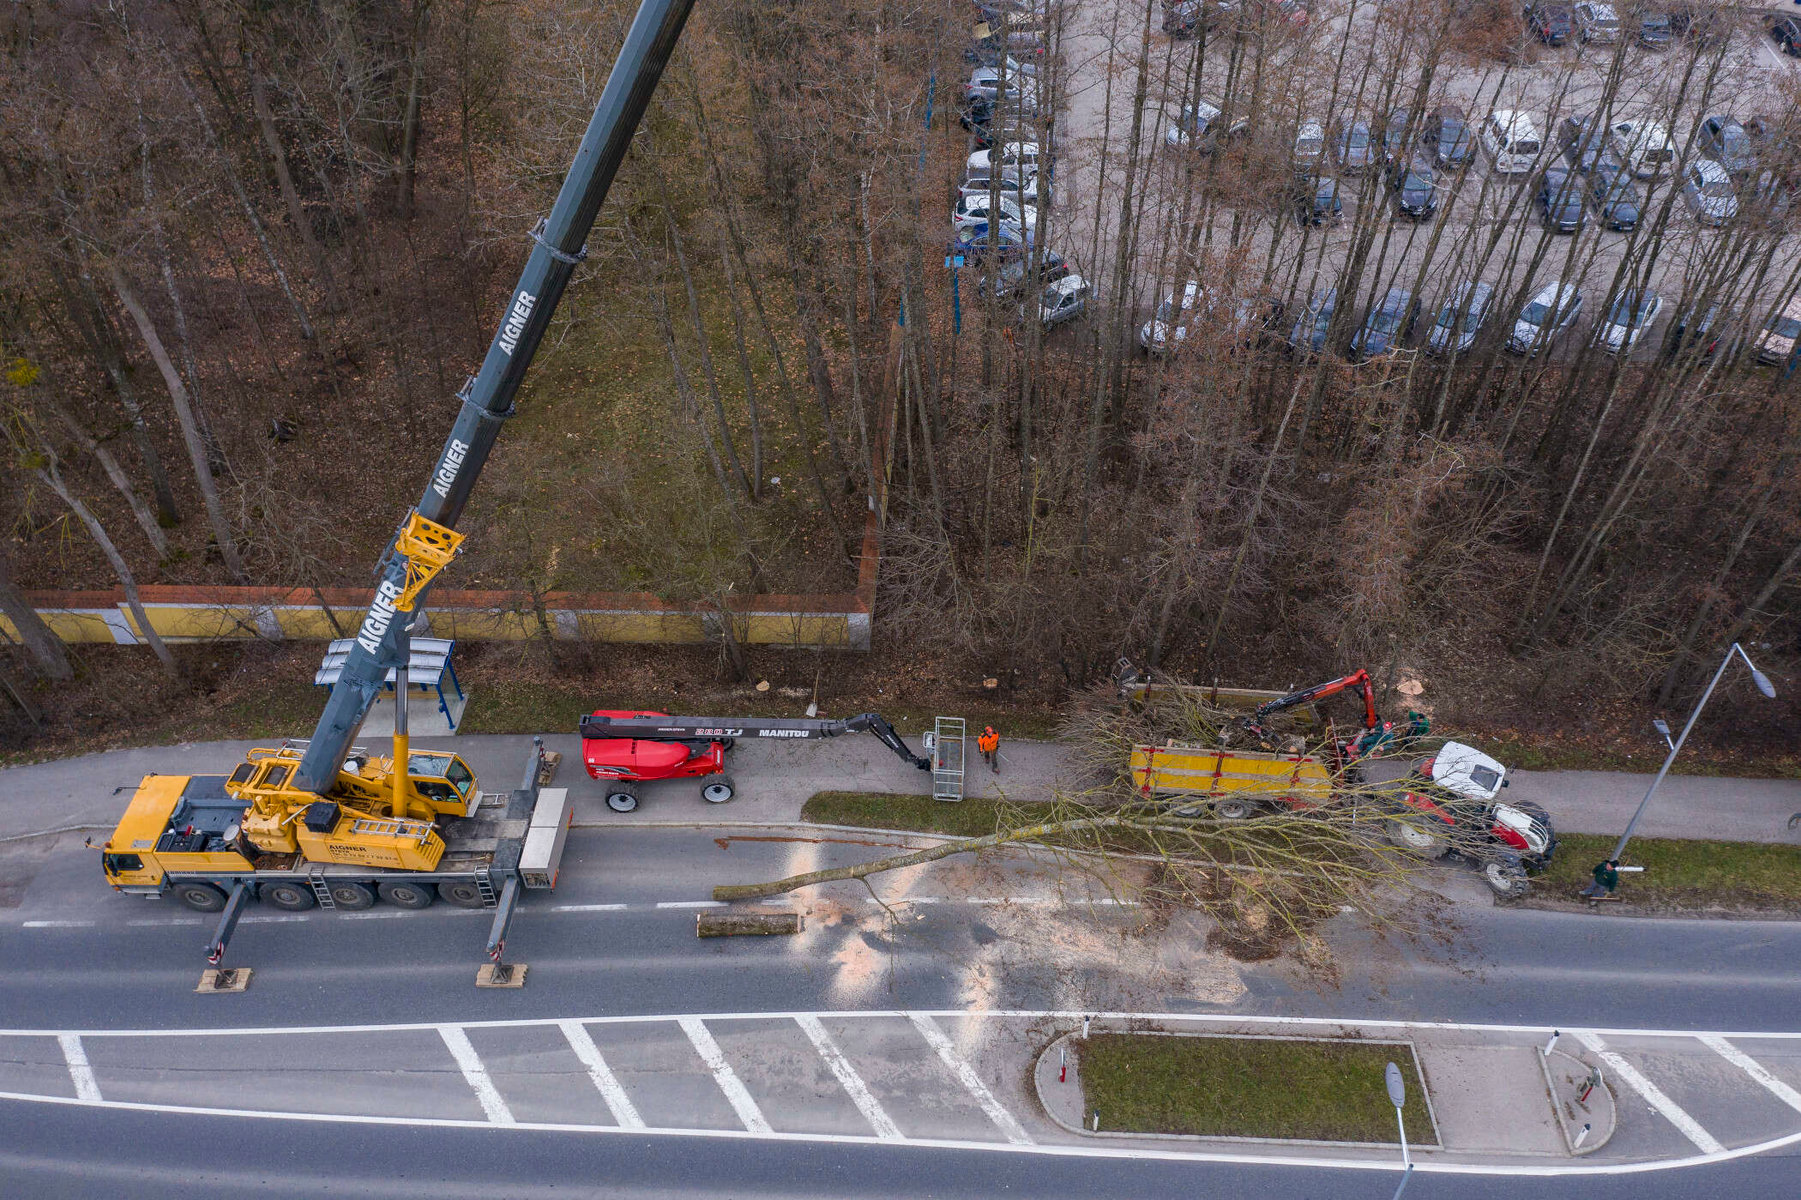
(1777, 342)
(1011, 186)
(1397, 138)
(1010, 90)
(1010, 240)
(1697, 330)
(1634, 311)
(1560, 197)
(1787, 32)
(1063, 301)
(1655, 31)
(1415, 188)
(1699, 23)
(1550, 23)
(1584, 141)
(1168, 327)
(1707, 190)
(1318, 202)
(1644, 146)
(1448, 132)
(1314, 323)
(1461, 318)
(1511, 140)
(1002, 128)
(1014, 276)
(1596, 22)
(1186, 18)
(975, 210)
(1355, 147)
(1386, 325)
(1309, 145)
(1615, 197)
(1016, 155)
(991, 49)
(1199, 126)
(1552, 309)
(1769, 197)
(1726, 142)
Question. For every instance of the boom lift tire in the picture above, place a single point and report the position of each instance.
(622, 801)
(404, 893)
(352, 897)
(288, 896)
(718, 790)
(201, 897)
(1418, 839)
(463, 894)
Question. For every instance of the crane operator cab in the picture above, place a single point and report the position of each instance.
(255, 819)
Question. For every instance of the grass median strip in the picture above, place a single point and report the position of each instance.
(1312, 1089)
(902, 810)
(1681, 873)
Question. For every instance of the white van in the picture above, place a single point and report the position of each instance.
(1511, 140)
(1644, 146)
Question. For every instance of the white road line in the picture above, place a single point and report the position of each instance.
(1753, 1068)
(859, 1092)
(86, 1086)
(492, 1102)
(57, 924)
(928, 1028)
(1033, 900)
(589, 907)
(723, 1075)
(373, 916)
(270, 920)
(607, 1083)
(162, 922)
(1691, 1129)
(691, 904)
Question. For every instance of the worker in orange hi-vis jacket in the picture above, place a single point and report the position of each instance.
(990, 745)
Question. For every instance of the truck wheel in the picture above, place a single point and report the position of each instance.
(352, 896)
(1421, 841)
(718, 791)
(405, 893)
(289, 897)
(622, 801)
(1505, 879)
(463, 894)
(201, 897)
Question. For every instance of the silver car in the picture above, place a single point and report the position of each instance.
(1596, 22)
(1461, 318)
(1552, 309)
(1632, 313)
(1707, 190)
(1064, 300)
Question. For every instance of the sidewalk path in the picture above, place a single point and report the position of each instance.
(774, 779)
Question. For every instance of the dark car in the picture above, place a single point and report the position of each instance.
(1397, 138)
(1449, 137)
(1416, 191)
(1584, 141)
(1386, 326)
(1319, 204)
(1726, 142)
(1551, 24)
(1787, 32)
(1655, 31)
(1697, 331)
(1560, 198)
(1699, 23)
(1309, 333)
(1355, 147)
(1615, 197)
(1015, 276)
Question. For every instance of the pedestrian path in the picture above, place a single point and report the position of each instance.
(937, 1079)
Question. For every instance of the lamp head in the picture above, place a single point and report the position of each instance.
(1763, 684)
(1662, 726)
(1397, 1087)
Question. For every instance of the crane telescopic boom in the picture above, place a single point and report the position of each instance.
(426, 541)
(660, 726)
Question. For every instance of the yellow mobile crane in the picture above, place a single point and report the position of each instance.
(319, 821)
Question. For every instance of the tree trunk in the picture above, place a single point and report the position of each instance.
(303, 228)
(45, 648)
(141, 511)
(209, 490)
(409, 135)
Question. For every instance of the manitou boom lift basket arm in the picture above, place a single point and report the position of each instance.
(426, 540)
(665, 728)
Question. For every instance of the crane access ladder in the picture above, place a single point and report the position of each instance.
(947, 749)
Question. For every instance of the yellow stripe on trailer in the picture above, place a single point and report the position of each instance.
(1176, 769)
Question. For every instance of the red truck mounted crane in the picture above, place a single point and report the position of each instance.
(621, 747)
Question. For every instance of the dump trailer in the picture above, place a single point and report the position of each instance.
(1231, 783)
(182, 838)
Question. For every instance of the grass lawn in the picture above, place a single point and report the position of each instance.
(1248, 1087)
(1680, 873)
(898, 810)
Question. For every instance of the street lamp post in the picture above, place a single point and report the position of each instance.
(1397, 1095)
(1763, 685)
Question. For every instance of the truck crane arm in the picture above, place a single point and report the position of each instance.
(426, 541)
(660, 726)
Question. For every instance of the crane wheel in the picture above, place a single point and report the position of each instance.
(289, 897)
(352, 896)
(622, 801)
(405, 893)
(201, 897)
(719, 790)
(463, 894)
